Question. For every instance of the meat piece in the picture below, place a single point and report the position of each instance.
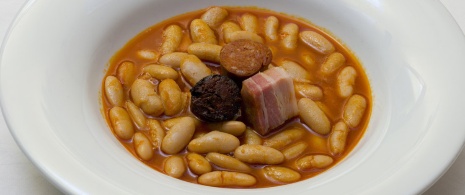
(215, 98)
(244, 57)
(269, 99)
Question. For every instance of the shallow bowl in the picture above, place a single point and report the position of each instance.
(56, 52)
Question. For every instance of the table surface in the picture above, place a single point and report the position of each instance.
(19, 176)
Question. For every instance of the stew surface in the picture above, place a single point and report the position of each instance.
(321, 87)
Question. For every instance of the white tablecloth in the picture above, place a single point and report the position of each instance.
(19, 176)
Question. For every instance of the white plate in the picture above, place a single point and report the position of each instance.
(56, 52)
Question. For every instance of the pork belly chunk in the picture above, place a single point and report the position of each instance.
(269, 99)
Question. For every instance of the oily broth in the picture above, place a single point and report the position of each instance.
(150, 39)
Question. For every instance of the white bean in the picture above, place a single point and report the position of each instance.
(214, 141)
(294, 150)
(284, 138)
(308, 60)
(235, 128)
(178, 136)
(169, 123)
(185, 100)
(114, 91)
(161, 72)
(194, 69)
(239, 35)
(227, 162)
(144, 96)
(143, 146)
(295, 70)
(249, 23)
(145, 76)
(157, 133)
(214, 16)
(250, 137)
(337, 138)
(148, 54)
(136, 114)
(313, 116)
(126, 73)
(198, 164)
(121, 122)
(314, 161)
(172, 37)
(173, 60)
(170, 94)
(308, 90)
(205, 51)
(258, 154)
(227, 179)
(346, 81)
(227, 28)
(201, 32)
(290, 34)
(333, 63)
(317, 42)
(271, 28)
(281, 174)
(198, 134)
(354, 110)
(327, 110)
(174, 166)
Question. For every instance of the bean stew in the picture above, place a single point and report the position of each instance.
(237, 97)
